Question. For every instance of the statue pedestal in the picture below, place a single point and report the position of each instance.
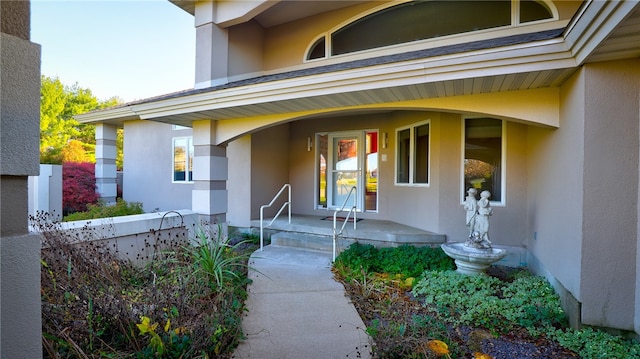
(472, 261)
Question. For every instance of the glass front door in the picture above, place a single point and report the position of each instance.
(345, 170)
(346, 160)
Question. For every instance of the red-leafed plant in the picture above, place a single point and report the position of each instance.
(78, 186)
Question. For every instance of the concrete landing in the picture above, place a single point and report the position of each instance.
(368, 231)
(297, 310)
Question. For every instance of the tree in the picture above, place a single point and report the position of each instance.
(58, 128)
(78, 186)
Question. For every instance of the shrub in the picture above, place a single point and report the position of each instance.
(78, 186)
(409, 261)
(102, 210)
(97, 305)
(485, 301)
(594, 344)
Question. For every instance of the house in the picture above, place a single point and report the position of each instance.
(412, 103)
(20, 314)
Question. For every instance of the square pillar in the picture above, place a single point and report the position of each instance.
(106, 162)
(20, 302)
(210, 174)
(212, 47)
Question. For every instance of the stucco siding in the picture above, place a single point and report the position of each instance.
(20, 309)
(270, 159)
(436, 207)
(610, 200)
(20, 106)
(416, 206)
(555, 197)
(245, 49)
(148, 167)
(239, 182)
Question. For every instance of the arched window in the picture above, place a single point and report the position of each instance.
(531, 10)
(420, 20)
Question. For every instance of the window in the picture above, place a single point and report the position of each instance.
(182, 159)
(412, 154)
(483, 156)
(531, 10)
(421, 20)
(317, 49)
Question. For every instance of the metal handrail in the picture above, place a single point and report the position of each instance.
(288, 203)
(335, 218)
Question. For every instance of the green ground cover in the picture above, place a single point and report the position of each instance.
(416, 306)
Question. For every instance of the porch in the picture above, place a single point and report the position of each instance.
(316, 232)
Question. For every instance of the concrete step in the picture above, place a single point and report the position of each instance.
(311, 241)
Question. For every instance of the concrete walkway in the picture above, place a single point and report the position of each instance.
(297, 310)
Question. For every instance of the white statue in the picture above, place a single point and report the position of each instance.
(471, 206)
(479, 235)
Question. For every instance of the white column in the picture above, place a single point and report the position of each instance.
(106, 162)
(210, 173)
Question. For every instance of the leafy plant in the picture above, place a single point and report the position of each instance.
(485, 301)
(409, 261)
(215, 260)
(102, 210)
(590, 343)
(78, 186)
(446, 307)
(170, 343)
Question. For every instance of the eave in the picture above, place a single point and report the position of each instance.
(519, 66)
(434, 73)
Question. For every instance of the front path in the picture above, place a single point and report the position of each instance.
(297, 310)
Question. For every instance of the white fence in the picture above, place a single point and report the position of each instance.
(45, 191)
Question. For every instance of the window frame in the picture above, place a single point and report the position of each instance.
(189, 159)
(412, 150)
(503, 159)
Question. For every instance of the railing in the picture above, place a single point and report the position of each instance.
(346, 219)
(288, 203)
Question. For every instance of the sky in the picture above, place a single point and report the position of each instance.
(131, 49)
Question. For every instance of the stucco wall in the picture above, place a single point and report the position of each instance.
(148, 170)
(245, 49)
(436, 207)
(20, 313)
(416, 206)
(270, 167)
(610, 186)
(20, 64)
(555, 197)
(239, 182)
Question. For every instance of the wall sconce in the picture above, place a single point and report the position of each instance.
(385, 140)
(309, 144)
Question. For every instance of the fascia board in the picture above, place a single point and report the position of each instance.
(113, 114)
(596, 21)
(551, 54)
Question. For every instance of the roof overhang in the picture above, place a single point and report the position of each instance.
(522, 66)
